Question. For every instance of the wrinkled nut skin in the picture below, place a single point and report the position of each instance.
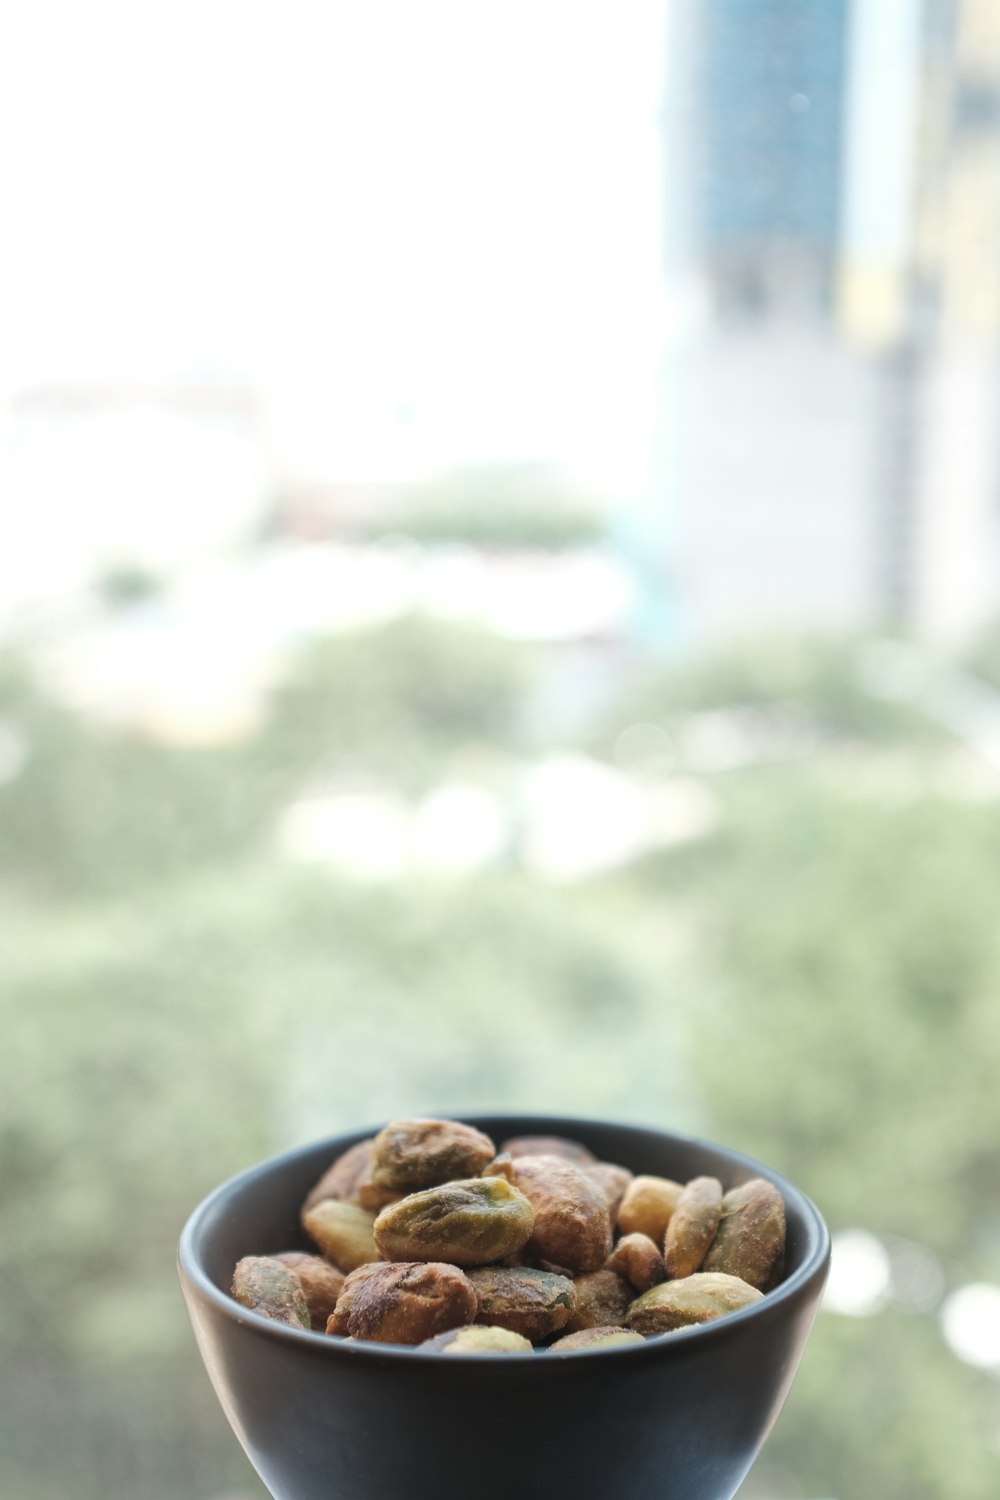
(589, 1338)
(343, 1232)
(750, 1240)
(638, 1259)
(467, 1223)
(407, 1302)
(265, 1286)
(694, 1299)
(692, 1226)
(412, 1154)
(341, 1179)
(321, 1282)
(572, 1223)
(339, 1318)
(532, 1303)
(476, 1340)
(602, 1300)
(369, 1195)
(613, 1182)
(548, 1145)
(648, 1205)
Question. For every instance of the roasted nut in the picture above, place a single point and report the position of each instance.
(343, 1232)
(517, 1260)
(321, 1282)
(465, 1223)
(403, 1303)
(602, 1300)
(638, 1259)
(750, 1241)
(648, 1205)
(529, 1302)
(264, 1285)
(339, 1318)
(541, 1264)
(548, 1145)
(369, 1195)
(412, 1154)
(341, 1179)
(692, 1226)
(588, 1338)
(476, 1340)
(401, 1217)
(502, 1165)
(349, 1179)
(572, 1224)
(613, 1182)
(694, 1299)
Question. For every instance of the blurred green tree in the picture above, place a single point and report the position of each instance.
(816, 684)
(846, 955)
(814, 982)
(394, 703)
(90, 808)
(508, 507)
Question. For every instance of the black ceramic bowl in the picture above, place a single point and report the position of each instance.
(680, 1417)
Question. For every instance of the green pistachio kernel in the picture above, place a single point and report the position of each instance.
(475, 1340)
(465, 1223)
(694, 1299)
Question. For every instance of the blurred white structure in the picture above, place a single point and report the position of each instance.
(860, 1275)
(195, 665)
(956, 583)
(400, 272)
(775, 497)
(568, 818)
(93, 477)
(971, 1322)
(437, 244)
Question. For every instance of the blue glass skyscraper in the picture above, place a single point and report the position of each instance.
(768, 146)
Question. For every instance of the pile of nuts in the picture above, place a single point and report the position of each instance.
(428, 1236)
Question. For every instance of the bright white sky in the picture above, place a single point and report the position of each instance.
(448, 209)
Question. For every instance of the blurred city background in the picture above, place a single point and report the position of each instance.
(499, 604)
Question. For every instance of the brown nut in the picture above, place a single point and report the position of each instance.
(602, 1300)
(541, 1264)
(548, 1145)
(476, 1340)
(694, 1299)
(572, 1223)
(613, 1182)
(750, 1241)
(343, 1232)
(588, 1338)
(465, 1223)
(529, 1302)
(692, 1226)
(369, 1195)
(341, 1179)
(502, 1165)
(339, 1318)
(412, 1154)
(269, 1288)
(403, 1303)
(648, 1205)
(638, 1259)
(321, 1282)
(350, 1179)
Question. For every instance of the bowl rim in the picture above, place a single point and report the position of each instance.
(195, 1278)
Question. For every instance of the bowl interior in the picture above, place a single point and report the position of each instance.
(257, 1213)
